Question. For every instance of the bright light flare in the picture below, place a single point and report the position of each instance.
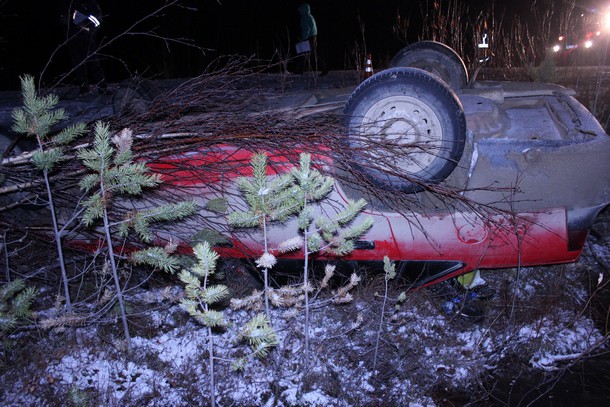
(588, 44)
(556, 48)
(606, 21)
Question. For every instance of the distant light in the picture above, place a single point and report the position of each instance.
(588, 44)
(606, 22)
(561, 38)
(556, 48)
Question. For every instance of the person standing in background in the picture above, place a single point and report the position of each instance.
(309, 32)
(84, 19)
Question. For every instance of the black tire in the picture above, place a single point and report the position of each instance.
(407, 129)
(435, 58)
(134, 96)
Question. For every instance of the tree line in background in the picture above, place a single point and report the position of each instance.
(515, 37)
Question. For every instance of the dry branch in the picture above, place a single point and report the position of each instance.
(229, 106)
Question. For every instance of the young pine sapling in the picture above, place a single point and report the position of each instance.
(37, 118)
(389, 269)
(329, 235)
(294, 194)
(113, 172)
(268, 201)
(15, 302)
(200, 295)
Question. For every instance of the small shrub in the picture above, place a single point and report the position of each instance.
(113, 173)
(36, 119)
(15, 302)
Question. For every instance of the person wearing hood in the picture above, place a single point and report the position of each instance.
(309, 32)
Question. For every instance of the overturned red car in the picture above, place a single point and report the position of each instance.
(458, 175)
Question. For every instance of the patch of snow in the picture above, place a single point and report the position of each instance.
(114, 379)
(421, 350)
(174, 347)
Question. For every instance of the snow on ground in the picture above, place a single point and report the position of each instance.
(421, 351)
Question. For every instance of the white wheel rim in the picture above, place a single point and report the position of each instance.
(403, 133)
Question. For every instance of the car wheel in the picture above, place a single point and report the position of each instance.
(435, 58)
(134, 96)
(406, 129)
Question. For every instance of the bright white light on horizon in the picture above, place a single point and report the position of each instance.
(606, 21)
(588, 44)
(556, 48)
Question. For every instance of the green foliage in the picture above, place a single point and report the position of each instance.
(313, 186)
(206, 260)
(328, 234)
(199, 296)
(47, 160)
(69, 134)
(267, 200)
(276, 200)
(15, 302)
(389, 268)
(38, 114)
(140, 221)
(260, 335)
(113, 174)
(213, 237)
(292, 194)
(37, 118)
(332, 235)
(218, 205)
(156, 257)
(78, 398)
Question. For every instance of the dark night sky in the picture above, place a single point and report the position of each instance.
(30, 30)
